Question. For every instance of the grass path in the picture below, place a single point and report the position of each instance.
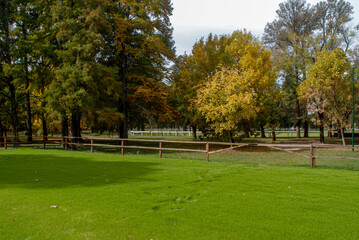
(105, 196)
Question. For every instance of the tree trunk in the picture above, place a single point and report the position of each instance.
(75, 125)
(27, 89)
(321, 127)
(123, 72)
(43, 118)
(44, 127)
(123, 128)
(1, 129)
(297, 128)
(1, 133)
(123, 108)
(9, 80)
(263, 134)
(230, 135)
(330, 133)
(306, 128)
(14, 117)
(342, 133)
(306, 122)
(64, 127)
(247, 131)
(274, 138)
(74, 129)
(194, 131)
(29, 120)
(339, 133)
(298, 120)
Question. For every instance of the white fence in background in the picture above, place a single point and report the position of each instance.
(279, 133)
(162, 133)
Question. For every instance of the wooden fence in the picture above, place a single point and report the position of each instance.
(5, 141)
(66, 142)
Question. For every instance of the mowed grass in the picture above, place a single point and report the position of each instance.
(109, 196)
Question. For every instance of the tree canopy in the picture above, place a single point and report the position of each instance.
(328, 89)
(240, 91)
(78, 61)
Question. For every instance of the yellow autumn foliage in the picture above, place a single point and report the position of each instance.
(328, 88)
(240, 91)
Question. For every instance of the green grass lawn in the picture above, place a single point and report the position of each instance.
(109, 196)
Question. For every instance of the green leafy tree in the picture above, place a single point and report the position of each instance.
(74, 88)
(289, 38)
(10, 89)
(141, 47)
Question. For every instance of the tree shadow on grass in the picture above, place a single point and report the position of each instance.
(55, 171)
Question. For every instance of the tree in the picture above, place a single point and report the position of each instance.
(193, 70)
(42, 60)
(298, 34)
(141, 47)
(21, 46)
(99, 62)
(332, 29)
(289, 37)
(25, 23)
(77, 29)
(236, 94)
(328, 90)
(8, 40)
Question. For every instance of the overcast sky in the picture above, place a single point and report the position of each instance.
(193, 19)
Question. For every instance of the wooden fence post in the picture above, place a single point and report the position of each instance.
(122, 149)
(5, 142)
(91, 145)
(207, 152)
(160, 151)
(312, 156)
(65, 143)
(44, 140)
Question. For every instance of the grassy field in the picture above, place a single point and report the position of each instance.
(109, 196)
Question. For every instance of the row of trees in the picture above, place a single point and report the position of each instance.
(69, 63)
(299, 36)
(228, 82)
(110, 65)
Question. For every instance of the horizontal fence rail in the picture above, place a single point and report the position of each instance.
(121, 143)
(45, 140)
